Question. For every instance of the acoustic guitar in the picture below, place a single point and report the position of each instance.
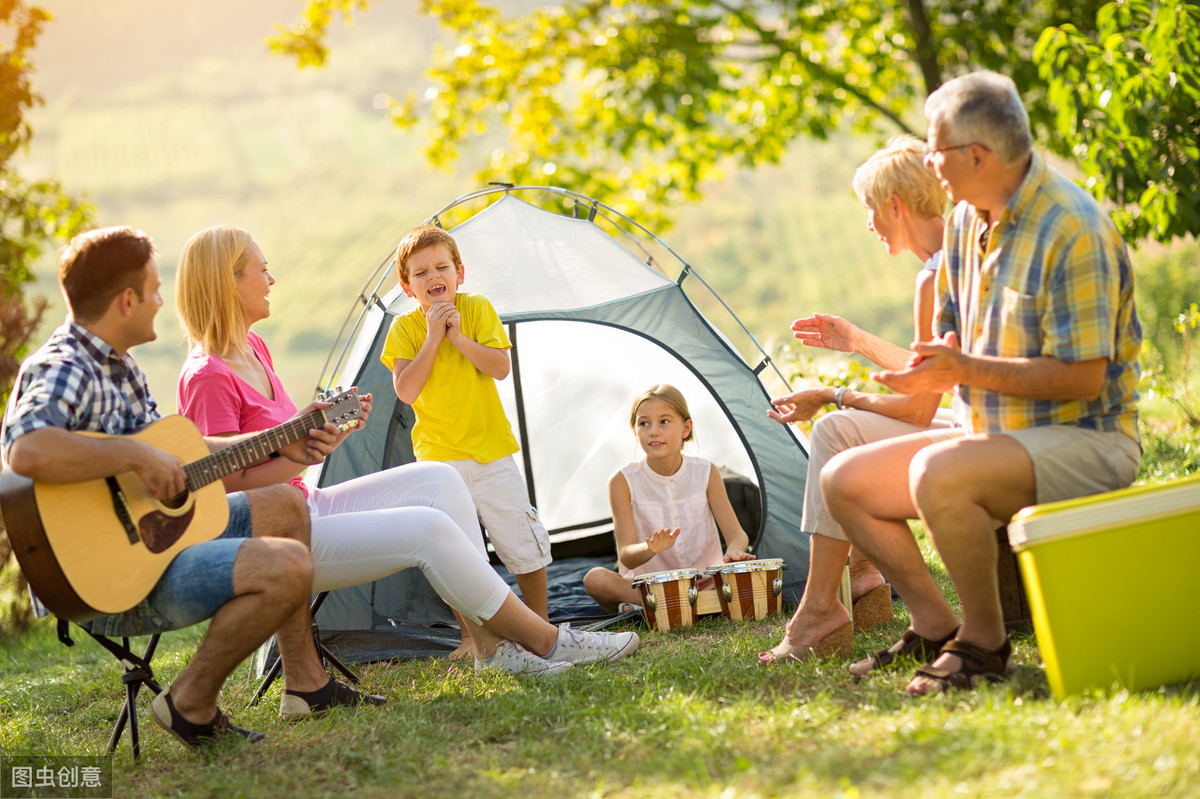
(97, 547)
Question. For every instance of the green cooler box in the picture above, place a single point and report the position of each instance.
(1110, 580)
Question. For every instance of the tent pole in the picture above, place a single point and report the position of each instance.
(523, 429)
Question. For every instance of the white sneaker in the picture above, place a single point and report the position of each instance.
(513, 658)
(580, 647)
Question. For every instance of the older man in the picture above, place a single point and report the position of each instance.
(1038, 332)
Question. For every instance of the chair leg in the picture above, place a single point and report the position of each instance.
(327, 657)
(271, 674)
(137, 673)
(331, 659)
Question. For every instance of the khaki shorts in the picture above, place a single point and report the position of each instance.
(1070, 462)
(518, 536)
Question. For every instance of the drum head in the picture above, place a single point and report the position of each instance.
(738, 566)
(669, 576)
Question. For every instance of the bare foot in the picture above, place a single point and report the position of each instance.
(464, 650)
(811, 633)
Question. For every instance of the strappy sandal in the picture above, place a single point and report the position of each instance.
(974, 662)
(923, 649)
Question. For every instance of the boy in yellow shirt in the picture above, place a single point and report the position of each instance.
(445, 358)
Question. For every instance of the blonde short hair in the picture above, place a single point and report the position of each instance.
(420, 238)
(668, 394)
(899, 169)
(206, 295)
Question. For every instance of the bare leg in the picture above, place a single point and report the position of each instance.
(467, 646)
(271, 579)
(964, 488)
(864, 576)
(610, 589)
(514, 621)
(534, 591)
(820, 613)
(280, 511)
(867, 491)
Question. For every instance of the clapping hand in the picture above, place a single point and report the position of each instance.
(827, 331)
(797, 407)
(662, 540)
(442, 320)
(935, 366)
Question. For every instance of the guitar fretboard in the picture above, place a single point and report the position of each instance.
(251, 451)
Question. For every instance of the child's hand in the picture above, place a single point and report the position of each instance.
(453, 325)
(437, 320)
(662, 540)
(737, 553)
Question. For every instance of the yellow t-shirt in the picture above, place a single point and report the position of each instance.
(459, 414)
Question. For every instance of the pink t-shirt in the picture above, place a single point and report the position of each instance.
(219, 401)
(677, 500)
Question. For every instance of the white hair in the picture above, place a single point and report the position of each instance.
(983, 107)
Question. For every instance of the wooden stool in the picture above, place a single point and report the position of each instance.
(844, 595)
(1013, 600)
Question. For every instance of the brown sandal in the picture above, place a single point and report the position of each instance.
(923, 649)
(974, 662)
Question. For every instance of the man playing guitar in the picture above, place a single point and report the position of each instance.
(253, 580)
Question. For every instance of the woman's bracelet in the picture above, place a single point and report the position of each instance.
(837, 398)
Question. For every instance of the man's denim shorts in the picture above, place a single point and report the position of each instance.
(193, 588)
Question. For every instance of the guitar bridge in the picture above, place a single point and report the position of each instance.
(122, 509)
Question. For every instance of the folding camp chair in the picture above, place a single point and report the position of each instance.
(327, 658)
(137, 673)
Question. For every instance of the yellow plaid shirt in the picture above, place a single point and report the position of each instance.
(1051, 278)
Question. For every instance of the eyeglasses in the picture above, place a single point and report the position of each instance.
(956, 147)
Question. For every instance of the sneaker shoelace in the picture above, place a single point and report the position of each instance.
(582, 639)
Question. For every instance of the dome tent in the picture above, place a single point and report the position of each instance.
(598, 309)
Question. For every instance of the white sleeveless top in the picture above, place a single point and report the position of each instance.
(678, 500)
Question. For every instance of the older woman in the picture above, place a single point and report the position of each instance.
(905, 208)
(369, 527)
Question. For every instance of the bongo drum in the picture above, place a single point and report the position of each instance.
(668, 597)
(749, 589)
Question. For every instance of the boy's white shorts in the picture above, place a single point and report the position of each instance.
(518, 536)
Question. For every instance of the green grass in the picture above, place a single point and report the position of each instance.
(691, 713)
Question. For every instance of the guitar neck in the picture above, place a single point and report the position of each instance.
(251, 451)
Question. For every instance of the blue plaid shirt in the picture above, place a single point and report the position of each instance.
(76, 382)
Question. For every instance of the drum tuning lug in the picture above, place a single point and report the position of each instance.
(692, 594)
(727, 591)
(777, 586)
(650, 601)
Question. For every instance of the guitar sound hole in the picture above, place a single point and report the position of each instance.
(176, 502)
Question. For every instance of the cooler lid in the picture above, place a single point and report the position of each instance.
(1054, 520)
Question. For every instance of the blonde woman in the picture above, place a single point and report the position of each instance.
(905, 208)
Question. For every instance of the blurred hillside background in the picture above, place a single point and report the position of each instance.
(174, 116)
